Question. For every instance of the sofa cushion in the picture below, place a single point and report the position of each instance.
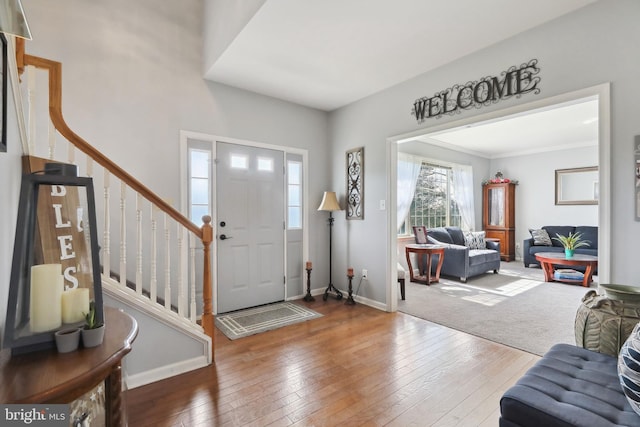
(569, 386)
(540, 237)
(474, 240)
(481, 256)
(440, 234)
(457, 235)
(537, 249)
(562, 230)
(587, 251)
(589, 233)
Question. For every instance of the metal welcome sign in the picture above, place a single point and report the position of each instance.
(516, 81)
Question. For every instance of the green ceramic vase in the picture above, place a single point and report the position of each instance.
(568, 253)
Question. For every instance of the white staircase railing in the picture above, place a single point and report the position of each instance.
(148, 248)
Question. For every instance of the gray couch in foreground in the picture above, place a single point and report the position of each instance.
(459, 260)
(569, 386)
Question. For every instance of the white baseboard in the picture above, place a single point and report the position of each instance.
(359, 299)
(164, 372)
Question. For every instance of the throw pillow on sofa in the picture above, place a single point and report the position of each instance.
(629, 368)
(540, 237)
(474, 239)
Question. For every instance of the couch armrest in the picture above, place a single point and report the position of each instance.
(434, 241)
(527, 258)
(495, 245)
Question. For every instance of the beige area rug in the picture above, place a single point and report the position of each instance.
(252, 321)
(514, 307)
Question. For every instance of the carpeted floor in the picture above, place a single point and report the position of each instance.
(254, 320)
(514, 307)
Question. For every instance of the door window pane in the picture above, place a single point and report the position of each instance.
(199, 184)
(239, 161)
(265, 164)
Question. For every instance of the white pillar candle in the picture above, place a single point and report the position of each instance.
(46, 294)
(75, 302)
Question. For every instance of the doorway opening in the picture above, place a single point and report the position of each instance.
(274, 194)
(598, 94)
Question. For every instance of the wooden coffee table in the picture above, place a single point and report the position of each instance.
(549, 261)
(425, 270)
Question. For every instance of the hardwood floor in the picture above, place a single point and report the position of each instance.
(354, 366)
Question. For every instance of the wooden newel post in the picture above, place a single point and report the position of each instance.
(207, 288)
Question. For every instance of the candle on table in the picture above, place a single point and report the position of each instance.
(308, 265)
(75, 302)
(45, 307)
(349, 271)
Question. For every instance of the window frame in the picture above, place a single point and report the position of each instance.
(300, 187)
(190, 177)
(406, 229)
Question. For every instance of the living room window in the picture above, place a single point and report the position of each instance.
(433, 203)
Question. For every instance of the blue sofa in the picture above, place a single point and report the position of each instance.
(459, 260)
(590, 233)
(569, 386)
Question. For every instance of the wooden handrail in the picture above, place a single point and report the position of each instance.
(55, 111)
(204, 233)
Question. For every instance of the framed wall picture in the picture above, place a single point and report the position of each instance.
(3, 103)
(355, 183)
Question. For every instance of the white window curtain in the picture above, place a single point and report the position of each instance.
(462, 177)
(408, 171)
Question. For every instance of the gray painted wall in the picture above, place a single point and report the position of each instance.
(10, 172)
(132, 79)
(588, 47)
(535, 193)
(169, 346)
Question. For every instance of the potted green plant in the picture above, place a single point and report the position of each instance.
(93, 331)
(571, 242)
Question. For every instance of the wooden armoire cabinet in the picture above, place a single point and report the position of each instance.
(498, 216)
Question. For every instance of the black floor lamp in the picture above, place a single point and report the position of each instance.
(330, 204)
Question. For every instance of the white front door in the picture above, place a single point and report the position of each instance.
(250, 226)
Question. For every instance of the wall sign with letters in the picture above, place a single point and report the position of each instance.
(516, 81)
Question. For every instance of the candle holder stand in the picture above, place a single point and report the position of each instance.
(350, 300)
(309, 297)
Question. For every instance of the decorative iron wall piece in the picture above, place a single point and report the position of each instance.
(355, 183)
(3, 94)
(515, 81)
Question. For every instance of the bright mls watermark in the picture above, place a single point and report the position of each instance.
(34, 415)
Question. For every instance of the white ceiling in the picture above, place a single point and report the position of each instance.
(328, 53)
(573, 124)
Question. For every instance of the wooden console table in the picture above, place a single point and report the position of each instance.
(50, 377)
(425, 270)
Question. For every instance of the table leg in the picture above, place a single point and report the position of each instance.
(588, 276)
(439, 266)
(548, 271)
(428, 272)
(408, 255)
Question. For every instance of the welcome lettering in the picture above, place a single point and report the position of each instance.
(516, 81)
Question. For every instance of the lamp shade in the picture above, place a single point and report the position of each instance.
(12, 19)
(329, 202)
